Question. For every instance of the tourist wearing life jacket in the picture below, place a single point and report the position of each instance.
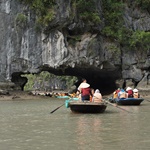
(129, 92)
(122, 94)
(136, 94)
(97, 96)
(115, 93)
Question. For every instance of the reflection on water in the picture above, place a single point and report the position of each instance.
(85, 129)
(28, 125)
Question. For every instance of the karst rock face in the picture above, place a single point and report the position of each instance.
(105, 63)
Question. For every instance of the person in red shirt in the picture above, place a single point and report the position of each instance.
(85, 90)
(85, 93)
(129, 92)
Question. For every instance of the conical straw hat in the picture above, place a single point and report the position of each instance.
(84, 85)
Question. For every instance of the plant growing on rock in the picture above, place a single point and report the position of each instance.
(21, 20)
(44, 9)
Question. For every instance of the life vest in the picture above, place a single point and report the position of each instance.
(115, 95)
(117, 91)
(97, 97)
(122, 95)
(91, 98)
(136, 95)
(130, 93)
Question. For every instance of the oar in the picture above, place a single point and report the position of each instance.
(147, 100)
(116, 106)
(57, 108)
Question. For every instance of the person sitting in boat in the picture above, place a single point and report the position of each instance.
(78, 93)
(122, 94)
(115, 93)
(136, 94)
(129, 92)
(92, 93)
(97, 96)
(85, 90)
(79, 88)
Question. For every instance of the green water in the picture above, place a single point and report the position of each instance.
(28, 125)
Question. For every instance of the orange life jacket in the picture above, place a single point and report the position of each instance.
(136, 95)
(115, 95)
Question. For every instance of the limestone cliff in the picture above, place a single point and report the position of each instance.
(104, 62)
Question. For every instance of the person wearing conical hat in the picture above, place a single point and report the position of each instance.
(97, 96)
(78, 93)
(85, 90)
(129, 92)
(136, 94)
(82, 84)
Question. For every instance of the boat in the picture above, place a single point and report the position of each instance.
(129, 101)
(70, 100)
(86, 107)
(65, 96)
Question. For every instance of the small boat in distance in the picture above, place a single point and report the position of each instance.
(129, 101)
(86, 107)
(64, 96)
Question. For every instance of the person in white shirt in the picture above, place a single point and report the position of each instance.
(97, 96)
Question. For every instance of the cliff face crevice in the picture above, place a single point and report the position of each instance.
(105, 63)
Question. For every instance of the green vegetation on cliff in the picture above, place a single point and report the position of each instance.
(44, 9)
(115, 26)
(87, 11)
(47, 81)
(144, 4)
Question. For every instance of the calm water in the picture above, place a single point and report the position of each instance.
(28, 125)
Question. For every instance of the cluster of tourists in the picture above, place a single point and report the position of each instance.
(86, 93)
(128, 93)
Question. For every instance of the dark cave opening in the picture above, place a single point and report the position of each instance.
(105, 85)
(104, 80)
(19, 81)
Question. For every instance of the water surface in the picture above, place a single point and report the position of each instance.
(28, 125)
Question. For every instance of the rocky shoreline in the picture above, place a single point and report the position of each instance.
(21, 95)
(30, 95)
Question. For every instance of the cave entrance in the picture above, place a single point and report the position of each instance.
(65, 78)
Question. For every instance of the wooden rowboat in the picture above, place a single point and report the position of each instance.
(87, 107)
(129, 101)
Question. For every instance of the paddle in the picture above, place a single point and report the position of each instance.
(147, 100)
(115, 105)
(57, 108)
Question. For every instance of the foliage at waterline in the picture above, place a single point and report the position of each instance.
(46, 81)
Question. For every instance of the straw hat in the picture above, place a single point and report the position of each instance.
(84, 85)
(128, 88)
(135, 90)
(97, 91)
